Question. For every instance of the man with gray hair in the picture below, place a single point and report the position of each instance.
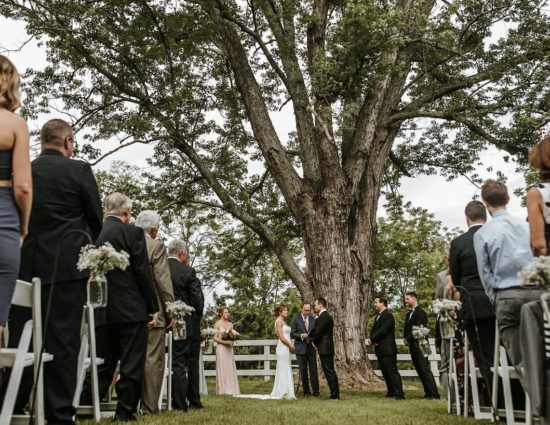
(149, 221)
(185, 353)
(121, 327)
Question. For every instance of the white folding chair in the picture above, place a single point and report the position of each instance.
(25, 295)
(88, 360)
(506, 372)
(167, 378)
(454, 391)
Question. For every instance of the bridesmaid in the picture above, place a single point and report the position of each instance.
(227, 382)
(15, 184)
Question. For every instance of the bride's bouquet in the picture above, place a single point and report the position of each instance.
(178, 310)
(421, 333)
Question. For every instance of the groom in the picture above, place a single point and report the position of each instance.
(323, 340)
(302, 327)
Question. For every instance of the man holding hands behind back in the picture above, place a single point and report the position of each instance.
(302, 327)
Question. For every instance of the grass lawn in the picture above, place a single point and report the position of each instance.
(356, 407)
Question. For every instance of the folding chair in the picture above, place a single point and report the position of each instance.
(454, 390)
(167, 378)
(25, 295)
(506, 372)
(87, 360)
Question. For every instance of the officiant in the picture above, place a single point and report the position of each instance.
(302, 327)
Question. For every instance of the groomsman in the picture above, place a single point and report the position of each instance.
(149, 221)
(323, 339)
(121, 327)
(66, 203)
(303, 326)
(382, 337)
(417, 317)
(186, 353)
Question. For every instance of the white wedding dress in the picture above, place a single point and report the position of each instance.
(284, 383)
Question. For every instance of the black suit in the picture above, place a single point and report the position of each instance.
(186, 353)
(324, 341)
(382, 336)
(121, 328)
(305, 352)
(420, 362)
(65, 199)
(477, 310)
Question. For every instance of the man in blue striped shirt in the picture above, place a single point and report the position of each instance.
(502, 249)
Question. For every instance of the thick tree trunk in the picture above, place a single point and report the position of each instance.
(339, 270)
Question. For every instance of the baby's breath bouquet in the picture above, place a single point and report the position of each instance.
(178, 310)
(207, 334)
(447, 311)
(421, 334)
(100, 260)
(537, 274)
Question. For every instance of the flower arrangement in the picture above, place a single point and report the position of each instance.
(178, 310)
(447, 311)
(421, 334)
(230, 335)
(537, 274)
(207, 334)
(100, 260)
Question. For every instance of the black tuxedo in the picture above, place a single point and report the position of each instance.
(476, 307)
(417, 317)
(324, 341)
(186, 353)
(382, 336)
(121, 329)
(305, 352)
(65, 199)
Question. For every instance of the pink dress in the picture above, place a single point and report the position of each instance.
(227, 382)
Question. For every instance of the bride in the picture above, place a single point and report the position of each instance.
(284, 382)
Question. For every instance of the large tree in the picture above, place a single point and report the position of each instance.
(373, 87)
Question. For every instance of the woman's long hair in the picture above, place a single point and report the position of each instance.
(9, 85)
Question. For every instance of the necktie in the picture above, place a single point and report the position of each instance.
(306, 323)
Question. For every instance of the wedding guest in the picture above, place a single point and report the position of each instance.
(65, 205)
(121, 327)
(227, 382)
(382, 337)
(323, 339)
(417, 317)
(477, 312)
(186, 353)
(538, 199)
(502, 249)
(15, 184)
(149, 221)
(302, 327)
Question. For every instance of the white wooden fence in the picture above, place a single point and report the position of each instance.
(264, 360)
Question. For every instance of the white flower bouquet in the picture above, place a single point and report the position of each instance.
(537, 274)
(207, 334)
(178, 310)
(421, 333)
(447, 311)
(100, 260)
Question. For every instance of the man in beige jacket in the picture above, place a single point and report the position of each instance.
(149, 221)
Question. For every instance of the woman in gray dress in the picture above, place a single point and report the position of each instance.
(15, 184)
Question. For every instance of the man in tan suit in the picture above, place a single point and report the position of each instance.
(149, 221)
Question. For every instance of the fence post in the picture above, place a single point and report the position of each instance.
(266, 363)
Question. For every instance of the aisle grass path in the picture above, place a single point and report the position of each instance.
(356, 407)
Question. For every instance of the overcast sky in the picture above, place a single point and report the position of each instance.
(445, 199)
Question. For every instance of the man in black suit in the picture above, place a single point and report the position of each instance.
(323, 339)
(121, 327)
(65, 205)
(477, 311)
(186, 353)
(417, 317)
(382, 337)
(303, 325)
